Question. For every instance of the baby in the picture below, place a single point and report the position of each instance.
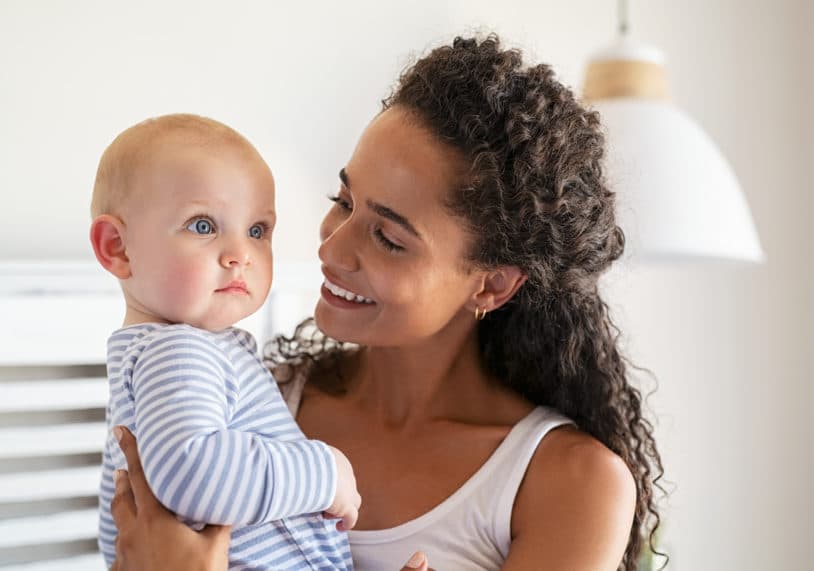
(183, 212)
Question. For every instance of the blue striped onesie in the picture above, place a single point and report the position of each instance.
(218, 445)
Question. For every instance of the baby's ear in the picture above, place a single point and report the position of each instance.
(106, 237)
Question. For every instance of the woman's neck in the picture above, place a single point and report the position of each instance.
(409, 386)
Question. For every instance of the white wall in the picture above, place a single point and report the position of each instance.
(300, 79)
(729, 344)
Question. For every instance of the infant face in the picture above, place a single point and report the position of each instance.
(198, 236)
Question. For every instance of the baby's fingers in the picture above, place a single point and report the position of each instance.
(348, 520)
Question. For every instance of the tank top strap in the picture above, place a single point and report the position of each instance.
(512, 462)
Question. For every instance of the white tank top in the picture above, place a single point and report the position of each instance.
(471, 529)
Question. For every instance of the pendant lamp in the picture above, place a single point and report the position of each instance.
(677, 196)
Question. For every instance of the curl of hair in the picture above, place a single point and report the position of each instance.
(308, 346)
(535, 198)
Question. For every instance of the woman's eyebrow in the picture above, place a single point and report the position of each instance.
(343, 176)
(382, 210)
(390, 214)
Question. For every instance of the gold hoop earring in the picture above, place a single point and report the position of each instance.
(480, 313)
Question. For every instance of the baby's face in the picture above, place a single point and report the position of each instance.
(198, 237)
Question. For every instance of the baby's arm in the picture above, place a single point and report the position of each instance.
(198, 467)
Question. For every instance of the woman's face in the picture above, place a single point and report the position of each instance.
(392, 255)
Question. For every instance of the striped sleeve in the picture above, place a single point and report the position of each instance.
(195, 464)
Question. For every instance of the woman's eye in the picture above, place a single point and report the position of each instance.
(341, 202)
(388, 244)
(201, 226)
(257, 231)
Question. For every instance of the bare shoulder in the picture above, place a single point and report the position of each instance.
(572, 459)
(575, 507)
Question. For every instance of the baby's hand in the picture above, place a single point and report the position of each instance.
(347, 500)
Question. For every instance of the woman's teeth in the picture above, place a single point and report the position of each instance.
(348, 295)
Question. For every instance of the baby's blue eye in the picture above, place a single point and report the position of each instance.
(257, 231)
(201, 226)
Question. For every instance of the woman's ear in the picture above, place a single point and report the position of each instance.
(498, 287)
(106, 237)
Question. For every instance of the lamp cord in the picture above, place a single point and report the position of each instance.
(623, 18)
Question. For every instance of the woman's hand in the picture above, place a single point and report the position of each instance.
(418, 562)
(150, 537)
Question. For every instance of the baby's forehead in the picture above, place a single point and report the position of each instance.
(163, 151)
(180, 129)
(155, 140)
(178, 159)
(145, 148)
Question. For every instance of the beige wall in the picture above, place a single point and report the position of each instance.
(730, 345)
(805, 31)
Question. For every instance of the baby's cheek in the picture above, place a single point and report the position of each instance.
(185, 283)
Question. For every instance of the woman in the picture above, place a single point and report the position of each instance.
(482, 401)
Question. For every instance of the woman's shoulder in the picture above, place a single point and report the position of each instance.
(578, 457)
(575, 487)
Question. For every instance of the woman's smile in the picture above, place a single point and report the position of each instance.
(341, 297)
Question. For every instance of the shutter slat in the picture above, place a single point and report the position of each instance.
(56, 394)
(52, 440)
(56, 528)
(50, 484)
(92, 562)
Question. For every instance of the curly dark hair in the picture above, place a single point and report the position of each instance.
(535, 198)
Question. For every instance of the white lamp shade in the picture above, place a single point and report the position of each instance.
(677, 196)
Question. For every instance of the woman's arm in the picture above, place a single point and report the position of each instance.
(152, 539)
(574, 509)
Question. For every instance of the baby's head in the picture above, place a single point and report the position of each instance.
(183, 211)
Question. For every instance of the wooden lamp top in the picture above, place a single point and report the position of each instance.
(626, 70)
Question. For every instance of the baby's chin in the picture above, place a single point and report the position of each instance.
(212, 317)
(216, 323)
(213, 326)
(218, 317)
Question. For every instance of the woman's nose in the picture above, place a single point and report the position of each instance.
(339, 248)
